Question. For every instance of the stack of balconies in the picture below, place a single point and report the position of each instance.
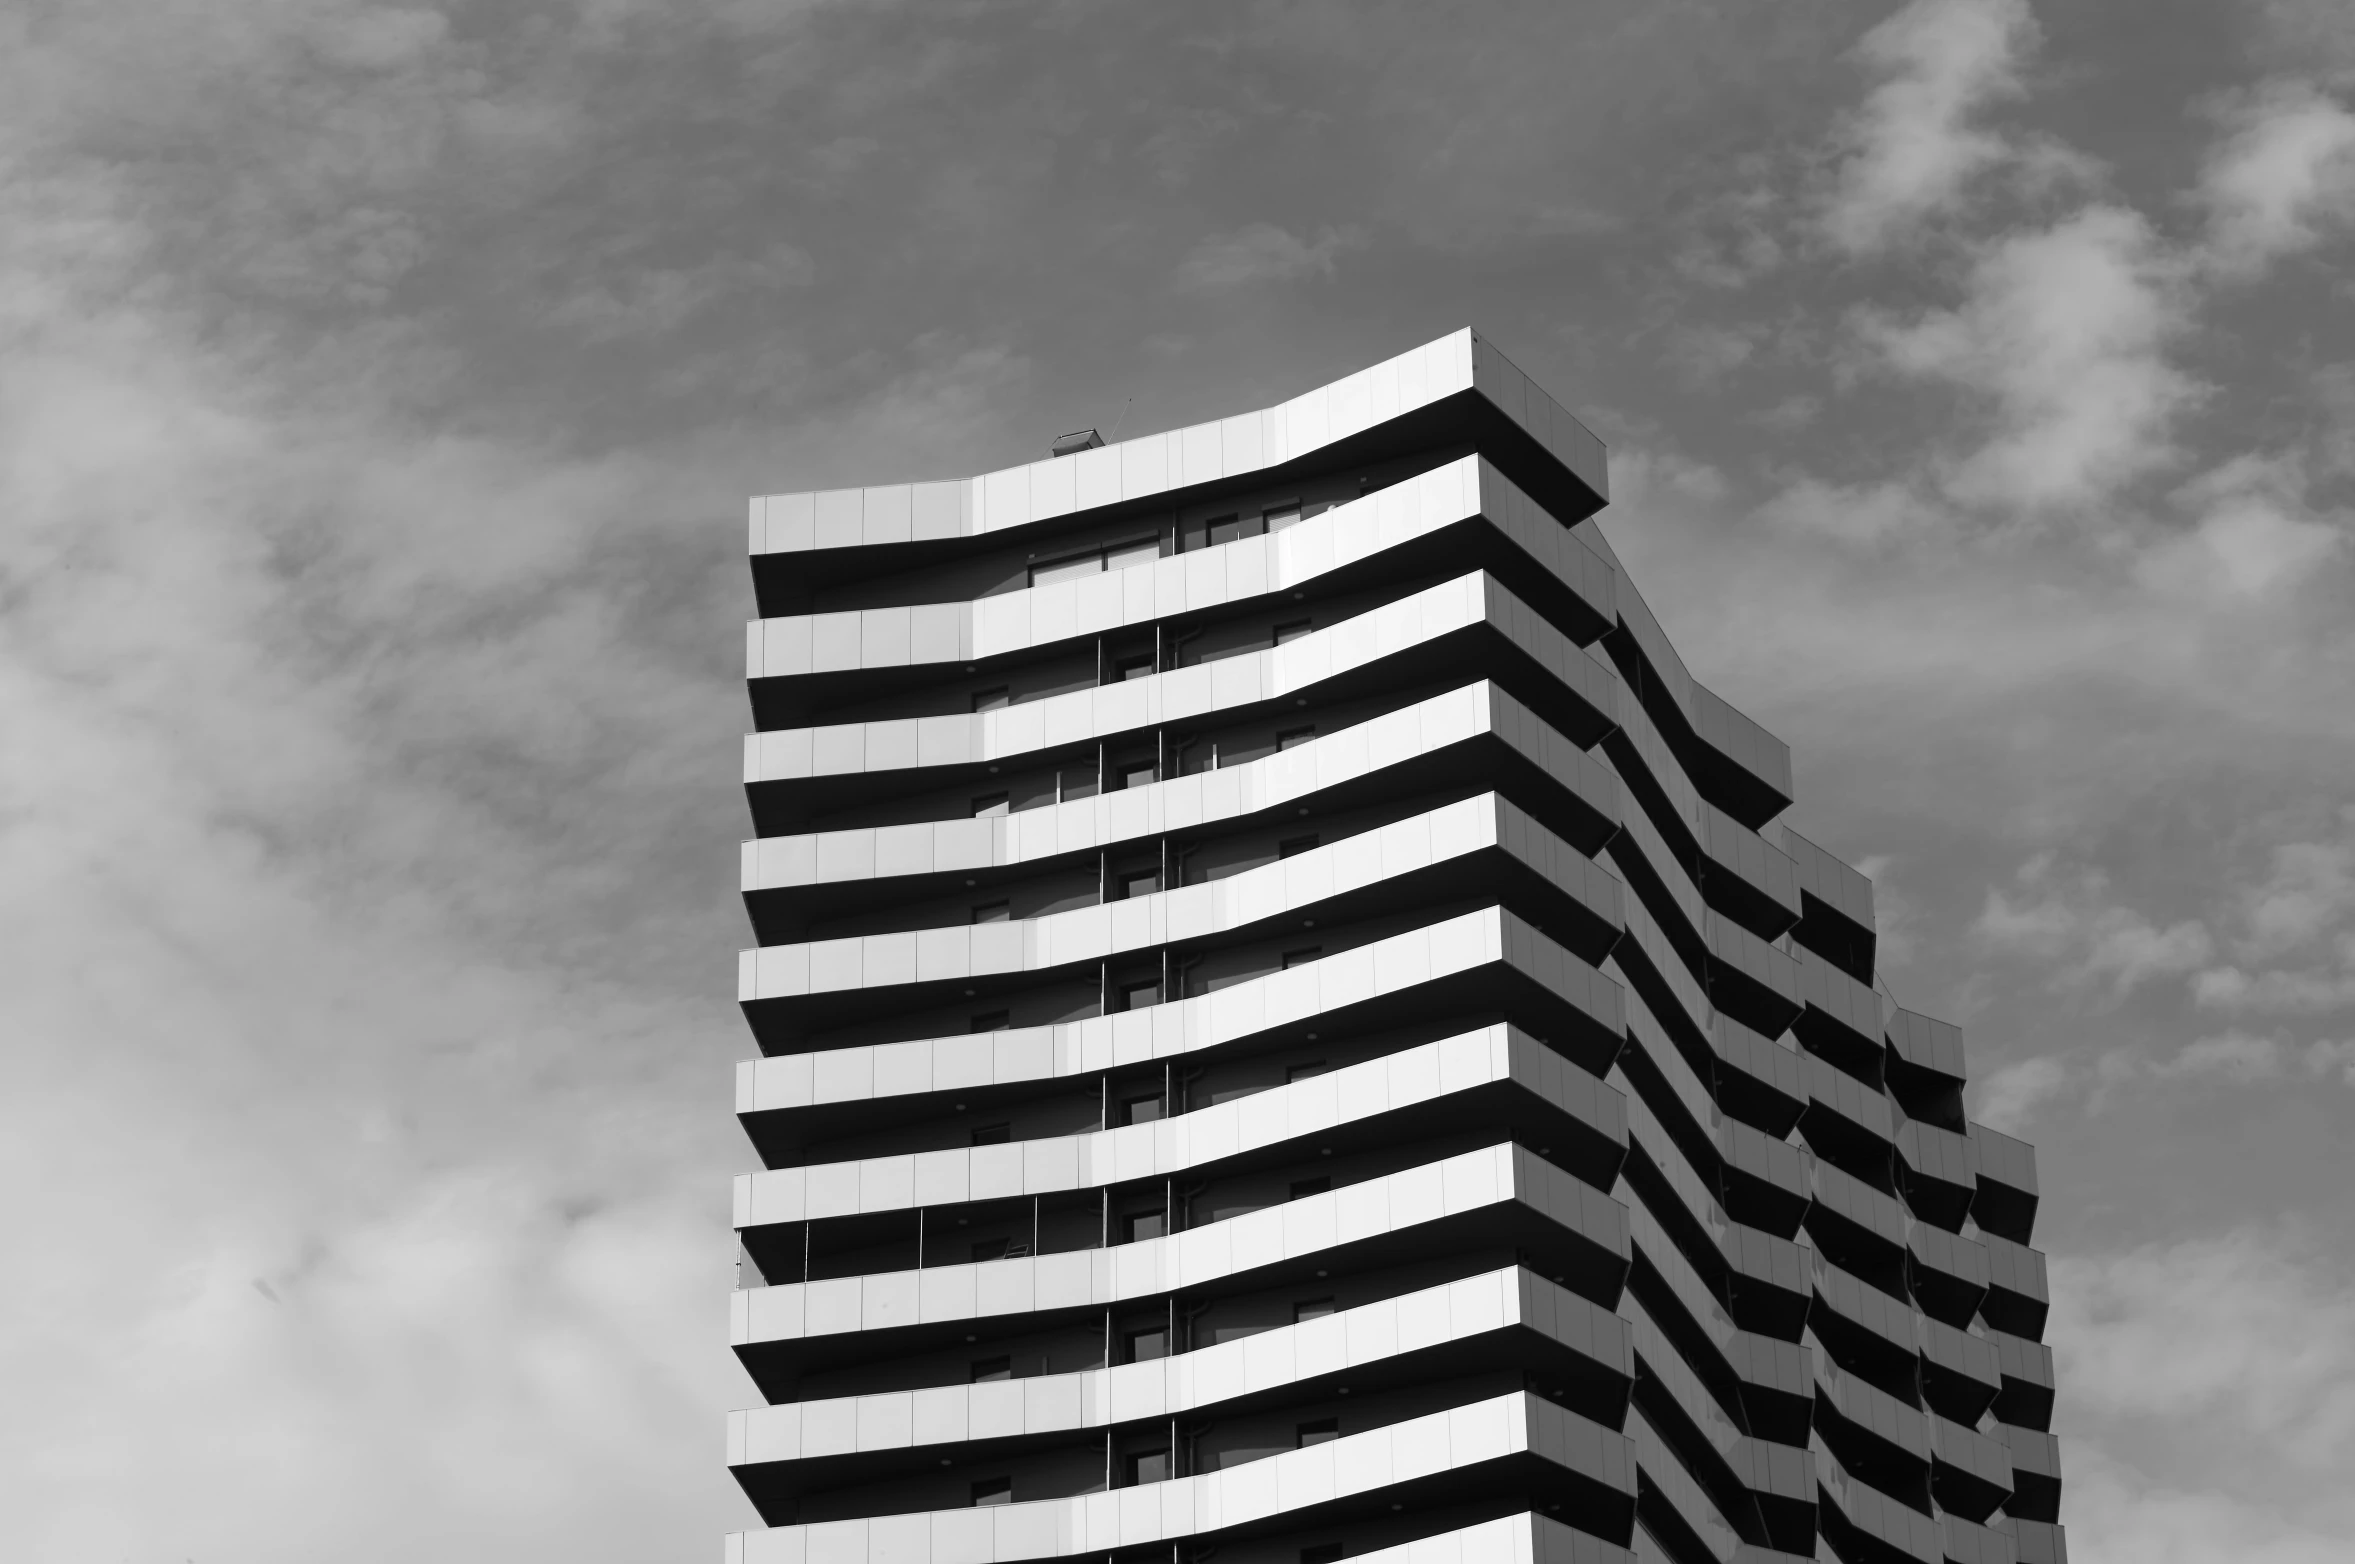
(1283, 1038)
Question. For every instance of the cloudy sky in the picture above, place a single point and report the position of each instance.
(379, 391)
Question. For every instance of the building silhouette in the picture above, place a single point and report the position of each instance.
(1290, 1030)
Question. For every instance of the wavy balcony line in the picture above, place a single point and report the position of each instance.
(1199, 1380)
(1296, 1482)
(1376, 1088)
(1499, 1175)
(1455, 365)
(1246, 570)
(1390, 632)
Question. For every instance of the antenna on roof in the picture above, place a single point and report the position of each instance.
(1122, 419)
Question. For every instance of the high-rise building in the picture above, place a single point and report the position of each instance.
(1290, 1030)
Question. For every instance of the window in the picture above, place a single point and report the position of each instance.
(988, 1371)
(1146, 1345)
(1293, 738)
(993, 1490)
(1075, 782)
(1140, 1110)
(992, 1021)
(1136, 996)
(992, 1134)
(1067, 569)
(1285, 632)
(1323, 1432)
(999, 1249)
(1294, 846)
(1143, 551)
(1148, 1466)
(1136, 773)
(1142, 1225)
(1302, 1188)
(988, 805)
(991, 700)
(1135, 882)
(993, 912)
(1311, 1309)
(1302, 1072)
(1226, 529)
(1277, 517)
(1132, 668)
(1322, 1553)
(1302, 957)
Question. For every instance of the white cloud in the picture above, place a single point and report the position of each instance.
(2009, 1097)
(2062, 336)
(1863, 516)
(2254, 537)
(1913, 148)
(2283, 178)
(2068, 920)
(2240, 1056)
(644, 301)
(2294, 941)
(2118, 1514)
(2251, 1333)
(1259, 253)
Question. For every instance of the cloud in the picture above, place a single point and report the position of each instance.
(649, 301)
(2294, 936)
(2248, 1333)
(1861, 516)
(2120, 1514)
(2068, 920)
(1262, 253)
(2254, 536)
(2009, 1096)
(2061, 338)
(1913, 148)
(2281, 180)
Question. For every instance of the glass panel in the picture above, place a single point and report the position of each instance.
(1293, 738)
(1140, 883)
(1311, 1309)
(1149, 1466)
(989, 804)
(1302, 956)
(993, 1021)
(992, 1134)
(1145, 1345)
(1144, 1225)
(1302, 1188)
(1319, 1433)
(1294, 846)
(987, 1371)
(1135, 996)
(1281, 516)
(1294, 631)
(993, 912)
(1141, 1110)
(994, 1490)
(1122, 555)
(990, 700)
(1132, 668)
(1071, 569)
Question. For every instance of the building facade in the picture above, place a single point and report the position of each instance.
(1290, 1030)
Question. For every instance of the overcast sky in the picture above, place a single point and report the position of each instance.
(379, 394)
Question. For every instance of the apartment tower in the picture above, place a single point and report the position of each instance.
(1291, 1029)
